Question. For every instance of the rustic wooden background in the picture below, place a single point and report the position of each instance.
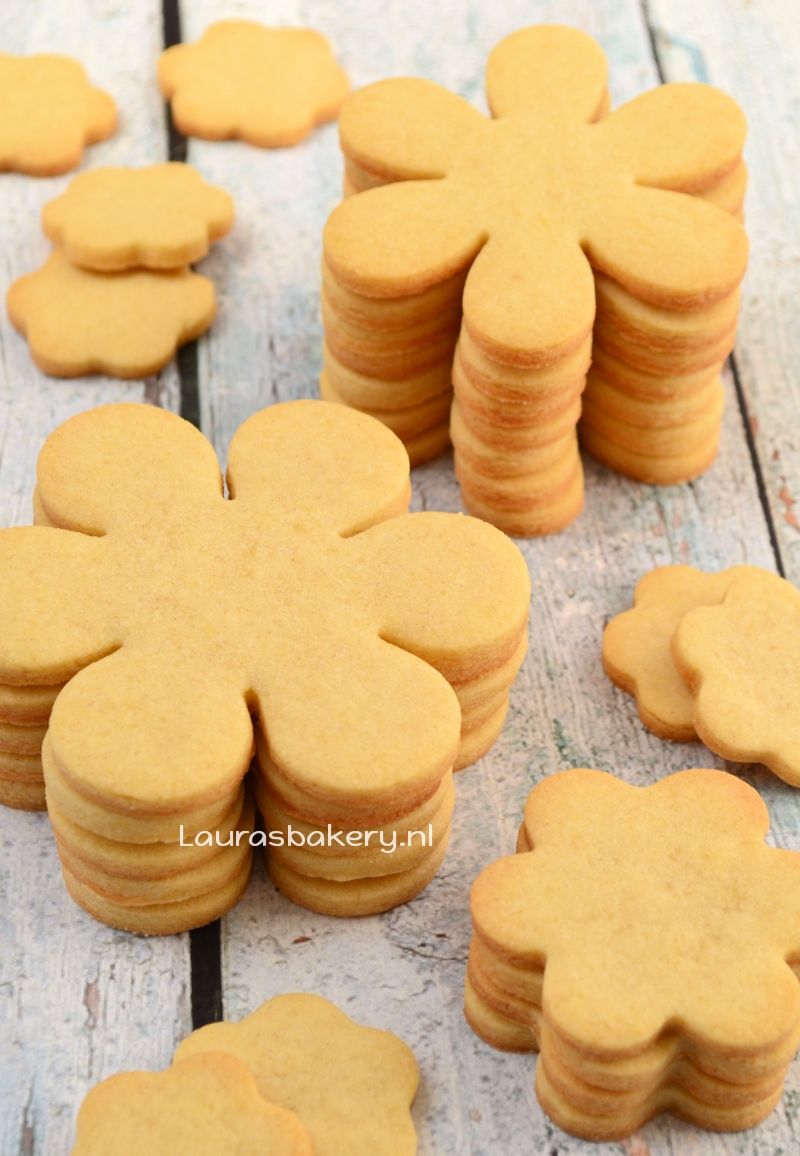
(79, 1001)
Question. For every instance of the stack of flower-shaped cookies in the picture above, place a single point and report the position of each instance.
(646, 942)
(370, 651)
(714, 656)
(117, 295)
(529, 233)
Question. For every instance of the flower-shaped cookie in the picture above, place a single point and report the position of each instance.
(651, 910)
(741, 660)
(158, 217)
(637, 653)
(267, 86)
(537, 197)
(125, 324)
(50, 113)
(308, 598)
(352, 1086)
(208, 1106)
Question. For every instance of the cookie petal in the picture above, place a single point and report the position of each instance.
(678, 136)
(56, 612)
(357, 721)
(319, 463)
(406, 128)
(401, 239)
(669, 248)
(86, 483)
(538, 326)
(452, 590)
(133, 729)
(548, 67)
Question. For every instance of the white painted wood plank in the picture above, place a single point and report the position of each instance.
(753, 51)
(405, 970)
(77, 1000)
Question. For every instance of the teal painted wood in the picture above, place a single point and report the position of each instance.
(404, 971)
(77, 1000)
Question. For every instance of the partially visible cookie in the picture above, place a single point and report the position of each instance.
(243, 80)
(741, 660)
(208, 1105)
(124, 324)
(50, 112)
(636, 645)
(352, 1086)
(157, 217)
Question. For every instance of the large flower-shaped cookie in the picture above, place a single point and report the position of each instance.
(157, 217)
(125, 324)
(741, 660)
(538, 196)
(352, 1086)
(50, 112)
(651, 910)
(208, 1105)
(308, 597)
(267, 86)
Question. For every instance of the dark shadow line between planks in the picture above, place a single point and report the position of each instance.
(205, 943)
(187, 354)
(741, 398)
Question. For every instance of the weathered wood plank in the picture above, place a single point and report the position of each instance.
(78, 1001)
(405, 971)
(753, 51)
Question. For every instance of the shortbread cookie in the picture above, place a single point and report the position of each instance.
(352, 1086)
(637, 653)
(528, 209)
(267, 86)
(740, 660)
(700, 965)
(159, 217)
(124, 324)
(207, 1105)
(50, 113)
(310, 583)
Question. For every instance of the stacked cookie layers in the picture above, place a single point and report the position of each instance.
(654, 399)
(569, 226)
(708, 1036)
(346, 857)
(124, 241)
(24, 712)
(392, 358)
(607, 1096)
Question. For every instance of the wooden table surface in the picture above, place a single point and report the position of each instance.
(80, 1001)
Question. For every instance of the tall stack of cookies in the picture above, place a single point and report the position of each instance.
(566, 226)
(124, 241)
(24, 712)
(654, 397)
(392, 358)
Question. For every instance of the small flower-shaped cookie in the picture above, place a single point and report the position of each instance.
(652, 912)
(158, 217)
(741, 660)
(352, 1086)
(267, 86)
(648, 907)
(538, 196)
(124, 324)
(637, 653)
(308, 597)
(50, 112)
(207, 1106)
